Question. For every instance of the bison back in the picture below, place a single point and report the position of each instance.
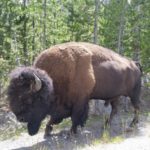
(70, 67)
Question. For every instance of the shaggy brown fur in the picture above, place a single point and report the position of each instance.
(83, 71)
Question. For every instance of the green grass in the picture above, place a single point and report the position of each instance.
(7, 134)
(93, 119)
(107, 139)
(66, 123)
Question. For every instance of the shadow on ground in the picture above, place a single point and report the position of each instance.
(85, 137)
(63, 141)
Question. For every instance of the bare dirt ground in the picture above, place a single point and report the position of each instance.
(139, 141)
(92, 137)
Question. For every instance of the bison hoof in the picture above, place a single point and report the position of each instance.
(133, 123)
(48, 131)
(129, 129)
(71, 135)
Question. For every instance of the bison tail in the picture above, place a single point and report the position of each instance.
(139, 66)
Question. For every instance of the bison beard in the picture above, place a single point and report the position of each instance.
(33, 127)
(80, 72)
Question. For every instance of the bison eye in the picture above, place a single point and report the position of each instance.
(19, 96)
(20, 78)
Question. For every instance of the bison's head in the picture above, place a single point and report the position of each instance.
(30, 94)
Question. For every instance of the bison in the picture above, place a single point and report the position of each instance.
(65, 77)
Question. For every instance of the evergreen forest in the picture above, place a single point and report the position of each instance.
(29, 26)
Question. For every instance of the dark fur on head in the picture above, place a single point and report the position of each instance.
(27, 104)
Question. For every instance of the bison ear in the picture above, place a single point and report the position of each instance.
(36, 85)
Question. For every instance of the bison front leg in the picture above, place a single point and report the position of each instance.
(79, 116)
(49, 126)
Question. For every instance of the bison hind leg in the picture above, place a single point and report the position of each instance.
(135, 100)
(136, 112)
(114, 105)
(135, 119)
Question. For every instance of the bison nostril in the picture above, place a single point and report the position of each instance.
(21, 119)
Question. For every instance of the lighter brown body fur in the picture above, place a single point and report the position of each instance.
(77, 68)
(82, 71)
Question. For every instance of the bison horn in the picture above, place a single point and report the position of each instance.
(38, 83)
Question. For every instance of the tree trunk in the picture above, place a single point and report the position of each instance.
(136, 40)
(95, 39)
(25, 34)
(44, 24)
(33, 36)
(136, 44)
(0, 91)
(121, 28)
